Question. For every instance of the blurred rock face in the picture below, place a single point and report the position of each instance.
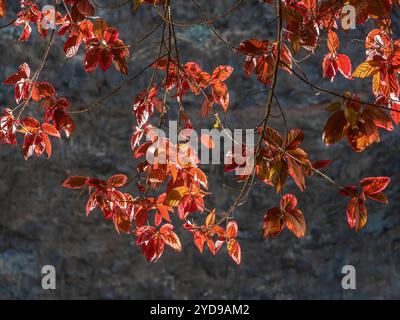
(42, 224)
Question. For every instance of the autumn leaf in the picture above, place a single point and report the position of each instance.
(287, 215)
(234, 251)
(175, 196)
(333, 41)
(75, 182)
(366, 69)
(3, 8)
(118, 180)
(374, 185)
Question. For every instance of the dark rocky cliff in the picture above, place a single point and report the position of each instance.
(40, 223)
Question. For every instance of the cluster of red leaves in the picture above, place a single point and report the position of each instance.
(153, 241)
(379, 10)
(26, 88)
(282, 157)
(334, 61)
(356, 122)
(206, 233)
(191, 77)
(305, 19)
(184, 185)
(261, 58)
(130, 214)
(371, 188)
(302, 23)
(286, 215)
(30, 14)
(104, 194)
(36, 135)
(36, 139)
(105, 48)
(383, 64)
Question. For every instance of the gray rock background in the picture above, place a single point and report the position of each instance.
(41, 223)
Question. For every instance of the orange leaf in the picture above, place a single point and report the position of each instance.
(222, 73)
(333, 42)
(294, 221)
(170, 237)
(51, 130)
(47, 143)
(3, 8)
(234, 251)
(210, 220)
(231, 229)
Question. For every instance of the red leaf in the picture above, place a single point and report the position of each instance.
(273, 223)
(380, 197)
(221, 94)
(118, 180)
(91, 59)
(47, 143)
(105, 60)
(24, 72)
(42, 90)
(344, 65)
(85, 7)
(51, 130)
(71, 46)
(356, 214)
(374, 185)
(294, 138)
(294, 221)
(349, 191)
(288, 202)
(253, 46)
(320, 164)
(74, 182)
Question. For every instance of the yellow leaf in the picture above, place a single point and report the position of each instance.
(366, 69)
(174, 197)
